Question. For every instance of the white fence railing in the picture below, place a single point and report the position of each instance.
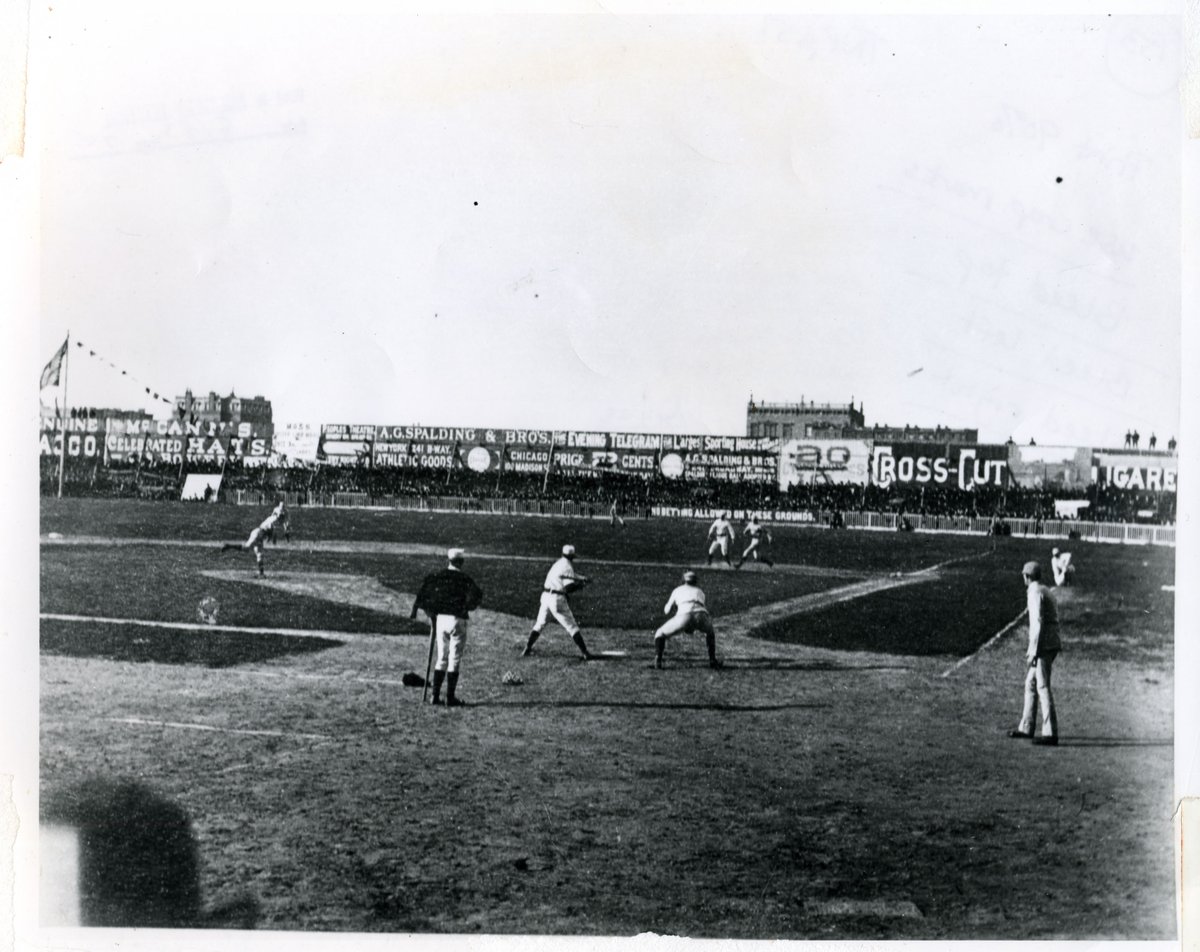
(1114, 532)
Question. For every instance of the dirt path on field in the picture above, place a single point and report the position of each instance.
(734, 630)
(420, 549)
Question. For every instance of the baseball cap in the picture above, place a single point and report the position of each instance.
(568, 550)
(455, 555)
(1032, 569)
(1054, 551)
(690, 576)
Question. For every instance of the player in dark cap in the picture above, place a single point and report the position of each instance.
(447, 597)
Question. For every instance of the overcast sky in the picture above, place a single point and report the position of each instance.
(630, 223)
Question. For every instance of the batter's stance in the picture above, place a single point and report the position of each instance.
(561, 581)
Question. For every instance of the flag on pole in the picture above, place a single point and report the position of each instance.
(52, 372)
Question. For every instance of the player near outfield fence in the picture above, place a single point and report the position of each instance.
(755, 531)
(264, 531)
(720, 537)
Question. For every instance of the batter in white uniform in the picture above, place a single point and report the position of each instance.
(561, 581)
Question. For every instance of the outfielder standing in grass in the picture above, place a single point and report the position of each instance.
(278, 519)
(755, 531)
(720, 536)
(614, 515)
(691, 614)
(447, 598)
(1060, 565)
(561, 581)
(1044, 646)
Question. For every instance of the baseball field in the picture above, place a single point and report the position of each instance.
(845, 775)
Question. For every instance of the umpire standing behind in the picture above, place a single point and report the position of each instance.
(447, 597)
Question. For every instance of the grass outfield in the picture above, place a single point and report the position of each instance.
(846, 776)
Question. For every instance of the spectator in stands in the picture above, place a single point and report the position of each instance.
(1153, 441)
(1171, 444)
(1136, 438)
(1128, 439)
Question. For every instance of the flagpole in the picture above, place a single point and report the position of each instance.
(549, 463)
(62, 450)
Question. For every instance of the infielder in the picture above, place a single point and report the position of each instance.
(263, 532)
(720, 537)
(447, 598)
(1044, 646)
(691, 614)
(561, 581)
(1061, 567)
(755, 531)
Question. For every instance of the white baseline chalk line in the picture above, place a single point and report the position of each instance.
(303, 676)
(196, 626)
(141, 722)
(987, 644)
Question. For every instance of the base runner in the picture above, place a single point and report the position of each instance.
(755, 531)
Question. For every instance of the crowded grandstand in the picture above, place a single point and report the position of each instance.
(826, 481)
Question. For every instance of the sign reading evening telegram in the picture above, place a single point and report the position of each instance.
(485, 449)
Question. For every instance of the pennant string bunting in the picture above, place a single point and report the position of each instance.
(125, 373)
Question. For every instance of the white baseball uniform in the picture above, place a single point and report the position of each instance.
(267, 526)
(754, 531)
(721, 532)
(263, 531)
(1062, 568)
(554, 603)
(691, 613)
